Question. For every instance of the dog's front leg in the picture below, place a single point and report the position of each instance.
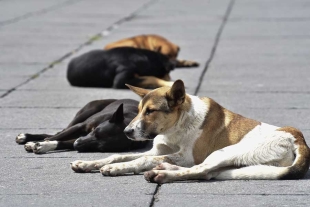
(139, 165)
(88, 166)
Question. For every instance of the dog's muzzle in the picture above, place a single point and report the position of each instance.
(129, 132)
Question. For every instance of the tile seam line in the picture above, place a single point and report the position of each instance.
(155, 195)
(216, 42)
(94, 38)
(38, 12)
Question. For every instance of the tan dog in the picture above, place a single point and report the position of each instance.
(207, 140)
(154, 43)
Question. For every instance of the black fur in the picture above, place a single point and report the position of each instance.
(97, 127)
(117, 66)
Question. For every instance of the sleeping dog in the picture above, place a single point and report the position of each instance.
(154, 43)
(196, 138)
(115, 67)
(98, 127)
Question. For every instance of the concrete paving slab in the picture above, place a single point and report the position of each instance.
(12, 11)
(42, 178)
(242, 82)
(259, 36)
(80, 189)
(20, 70)
(61, 99)
(274, 10)
(21, 118)
(261, 100)
(7, 83)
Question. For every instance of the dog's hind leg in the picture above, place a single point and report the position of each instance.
(149, 82)
(24, 138)
(46, 146)
(267, 159)
(90, 109)
(70, 133)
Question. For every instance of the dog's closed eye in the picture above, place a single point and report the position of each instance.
(149, 111)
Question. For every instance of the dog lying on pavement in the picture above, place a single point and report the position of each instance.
(154, 43)
(115, 67)
(97, 127)
(196, 138)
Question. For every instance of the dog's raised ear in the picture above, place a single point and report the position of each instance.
(118, 115)
(176, 95)
(139, 91)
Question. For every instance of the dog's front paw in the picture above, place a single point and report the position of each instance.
(191, 64)
(187, 63)
(43, 147)
(113, 170)
(155, 176)
(21, 138)
(81, 166)
(29, 146)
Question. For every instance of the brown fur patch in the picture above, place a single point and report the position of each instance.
(154, 43)
(220, 129)
(301, 165)
(150, 42)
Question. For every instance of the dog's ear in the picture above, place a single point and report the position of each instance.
(139, 91)
(157, 49)
(176, 95)
(118, 115)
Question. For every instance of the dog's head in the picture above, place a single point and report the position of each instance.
(159, 110)
(106, 137)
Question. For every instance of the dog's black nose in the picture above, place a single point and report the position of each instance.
(128, 131)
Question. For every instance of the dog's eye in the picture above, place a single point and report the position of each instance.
(149, 111)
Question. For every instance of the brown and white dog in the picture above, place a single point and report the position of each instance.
(196, 138)
(154, 43)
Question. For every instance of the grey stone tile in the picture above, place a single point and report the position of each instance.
(7, 83)
(21, 118)
(62, 99)
(19, 70)
(268, 100)
(235, 193)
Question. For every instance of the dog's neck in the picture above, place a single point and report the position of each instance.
(190, 121)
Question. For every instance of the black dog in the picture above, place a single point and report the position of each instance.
(117, 66)
(98, 126)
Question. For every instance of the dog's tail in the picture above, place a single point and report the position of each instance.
(186, 64)
(297, 170)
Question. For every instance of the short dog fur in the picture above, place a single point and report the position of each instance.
(115, 67)
(154, 43)
(196, 138)
(98, 127)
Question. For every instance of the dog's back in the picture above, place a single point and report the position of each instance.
(98, 68)
(150, 42)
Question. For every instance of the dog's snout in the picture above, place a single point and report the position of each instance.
(128, 131)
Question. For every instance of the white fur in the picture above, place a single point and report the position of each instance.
(255, 172)
(29, 146)
(43, 147)
(20, 138)
(266, 152)
(175, 145)
(182, 136)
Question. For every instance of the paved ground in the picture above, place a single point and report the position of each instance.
(255, 55)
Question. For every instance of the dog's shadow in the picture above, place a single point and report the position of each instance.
(307, 176)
